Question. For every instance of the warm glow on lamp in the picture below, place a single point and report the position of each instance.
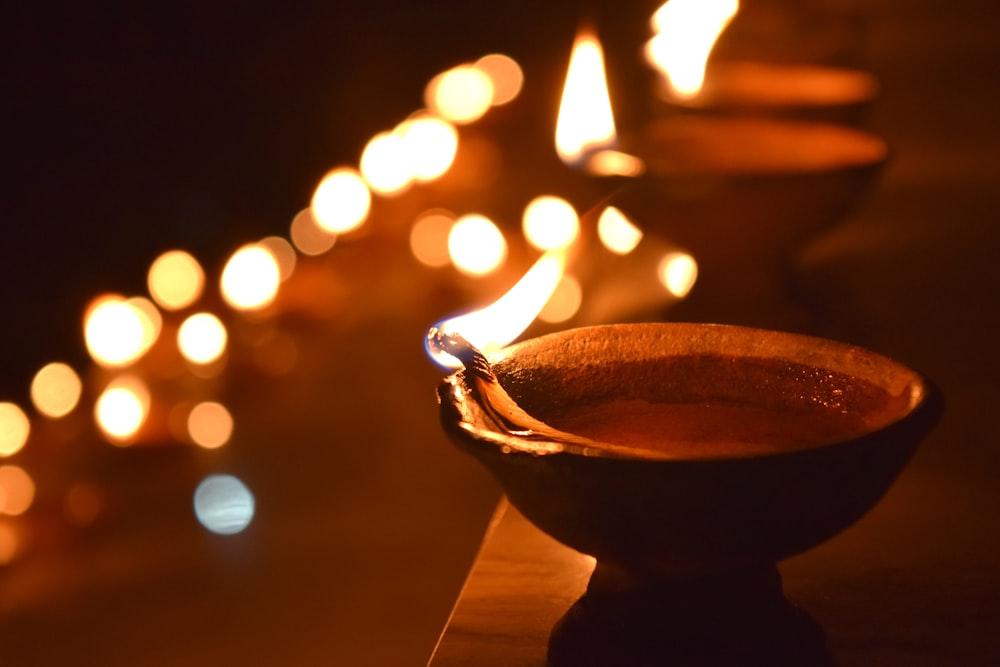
(210, 425)
(429, 238)
(499, 323)
(56, 389)
(341, 201)
(617, 232)
(586, 123)
(122, 408)
(175, 280)
(119, 331)
(476, 245)
(14, 428)
(678, 272)
(462, 94)
(505, 75)
(308, 236)
(251, 278)
(202, 338)
(550, 223)
(17, 490)
(686, 32)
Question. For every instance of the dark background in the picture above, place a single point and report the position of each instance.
(131, 128)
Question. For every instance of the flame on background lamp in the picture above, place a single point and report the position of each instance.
(685, 33)
(586, 122)
(175, 280)
(499, 323)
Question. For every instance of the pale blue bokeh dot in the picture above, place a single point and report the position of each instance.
(223, 504)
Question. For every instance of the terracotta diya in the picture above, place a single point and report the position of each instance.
(688, 459)
(744, 196)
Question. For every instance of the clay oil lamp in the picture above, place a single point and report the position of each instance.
(743, 195)
(687, 459)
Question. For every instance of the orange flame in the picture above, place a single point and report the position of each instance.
(586, 123)
(686, 31)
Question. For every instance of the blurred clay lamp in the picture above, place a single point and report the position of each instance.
(741, 194)
(685, 32)
(687, 459)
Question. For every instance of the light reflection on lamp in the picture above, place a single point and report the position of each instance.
(505, 76)
(17, 490)
(122, 409)
(476, 245)
(175, 280)
(617, 232)
(202, 338)
(462, 94)
(55, 389)
(678, 272)
(429, 237)
(210, 425)
(250, 278)
(308, 236)
(223, 504)
(117, 331)
(14, 428)
(550, 223)
(341, 201)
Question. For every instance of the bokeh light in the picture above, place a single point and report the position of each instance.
(617, 232)
(430, 146)
(550, 223)
(251, 278)
(429, 238)
(564, 302)
(10, 542)
(210, 425)
(56, 389)
(505, 76)
(283, 253)
(202, 338)
(678, 272)
(119, 331)
(122, 408)
(462, 94)
(14, 428)
(223, 504)
(476, 245)
(175, 280)
(308, 236)
(341, 201)
(385, 164)
(17, 490)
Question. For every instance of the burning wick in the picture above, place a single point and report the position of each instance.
(498, 404)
